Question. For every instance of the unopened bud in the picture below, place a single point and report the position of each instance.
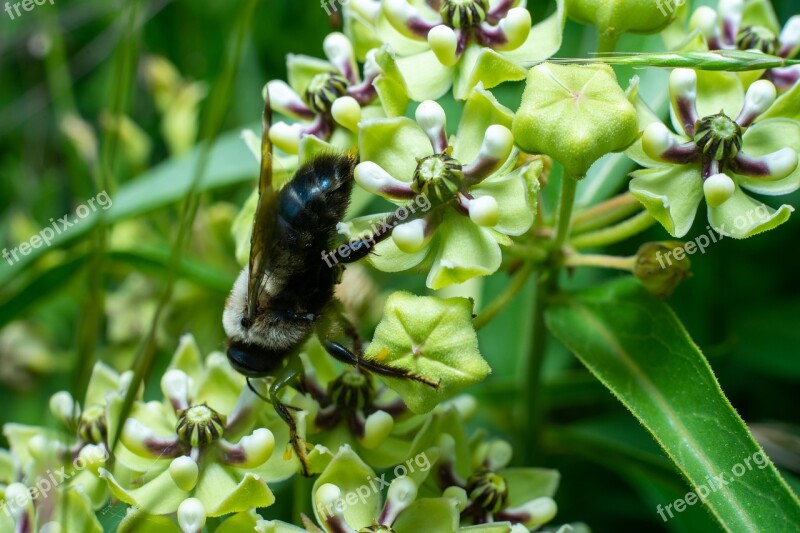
(661, 266)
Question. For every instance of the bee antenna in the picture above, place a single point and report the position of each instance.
(252, 388)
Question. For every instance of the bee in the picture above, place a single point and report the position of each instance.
(286, 292)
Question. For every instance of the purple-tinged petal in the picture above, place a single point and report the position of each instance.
(663, 145)
(284, 100)
(683, 93)
(790, 37)
(731, 13)
(431, 118)
(499, 10)
(495, 150)
(376, 180)
(760, 96)
(339, 51)
(407, 20)
(774, 166)
(784, 78)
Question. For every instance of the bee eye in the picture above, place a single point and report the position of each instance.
(246, 322)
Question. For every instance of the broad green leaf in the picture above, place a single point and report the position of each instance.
(636, 346)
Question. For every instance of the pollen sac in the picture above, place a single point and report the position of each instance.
(438, 177)
(464, 13)
(92, 425)
(719, 137)
(757, 38)
(488, 490)
(199, 426)
(324, 89)
(351, 390)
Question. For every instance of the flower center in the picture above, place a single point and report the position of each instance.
(324, 89)
(376, 529)
(488, 490)
(719, 137)
(757, 38)
(438, 177)
(92, 425)
(464, 13)
(351, 390)
(199, 425)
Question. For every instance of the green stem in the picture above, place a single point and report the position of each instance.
(501, 302)
(620, 232)
(548, 285)
(606, 43)
(601, 261)
(604, 214)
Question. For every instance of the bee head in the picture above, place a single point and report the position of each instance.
(251, 361)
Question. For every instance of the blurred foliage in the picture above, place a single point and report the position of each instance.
(741, 305)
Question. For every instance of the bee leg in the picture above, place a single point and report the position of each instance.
(346, 356)
(289, 374)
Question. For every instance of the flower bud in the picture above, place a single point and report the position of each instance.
(484, 211)
(377, 428)
(191, 516)
(400, 495)
(258, 447)
(718, 189)
(760, 96)
(575, 114)
(661, 266)
(64, 408)
(615, 17)
(347, 112)
(93, 457)
(431, 118)
(184, 472)
(704, 20)
(176, 386)
(538, 511)
(444, 43)
(410, 237)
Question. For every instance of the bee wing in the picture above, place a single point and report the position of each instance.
(264, 221)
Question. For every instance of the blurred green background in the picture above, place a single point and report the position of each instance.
(91, 59)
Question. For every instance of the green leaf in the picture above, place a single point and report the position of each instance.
(635, 345)
(430, 337)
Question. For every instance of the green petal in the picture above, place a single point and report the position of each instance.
(188, 357)
(464, 251)
(760, 13)
(8, 473)
(80, 514)
(525, 484)
(511, 193)
(387, 257)
(136, 521)
(646, 117)
(786, 106)
(158, 496)
(348, 472)
(543, 41)
(428, 514)
(430, 337)
(497, 527)
(399, 43)
(393, 144)
(435, 82)
(716, 91)
(221, 494)
(671, 194)
(393, 95)
(480, 111)
(276, 526)
(244, 521)
(742, 216)
(311, 147)
(104, 380)
(481, 65)
(763, 138)
(360, 29)
(300, 70)
(220, 387)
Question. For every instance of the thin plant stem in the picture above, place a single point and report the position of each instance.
(606, 213)
(600, 261)
(506, 297)
(548, 285)
(617, 233)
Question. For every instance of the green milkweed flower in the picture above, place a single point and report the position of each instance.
(734, 26)
(347, 499)
(462, 43)
(476, 474)
(468, 195)
(717, 157)
(197, 446)
(327, 98)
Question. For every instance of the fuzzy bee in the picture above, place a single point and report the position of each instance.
(286, 293)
